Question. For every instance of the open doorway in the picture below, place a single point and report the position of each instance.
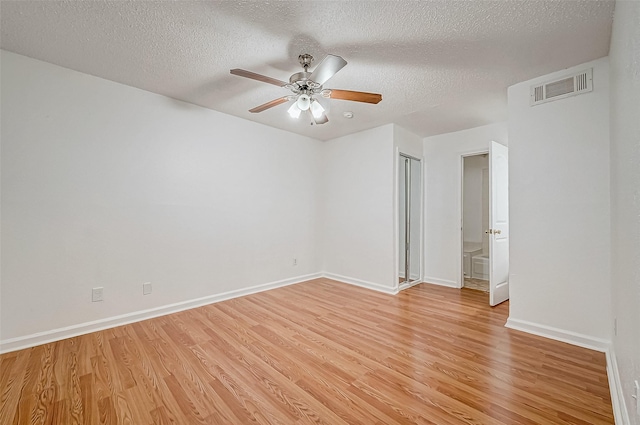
(475, 221)
(485, 221)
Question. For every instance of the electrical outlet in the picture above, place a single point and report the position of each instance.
(96, 294)
(146, 288)
(295, 261)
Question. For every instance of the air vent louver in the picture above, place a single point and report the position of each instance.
(559, 88)
(578, 83)
(538, 94)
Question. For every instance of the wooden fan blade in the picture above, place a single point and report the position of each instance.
(356, 96)
(327, 68)
(268, 105)
(259, 77)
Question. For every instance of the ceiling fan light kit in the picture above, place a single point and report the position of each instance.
(294, 111)
(316, 109)
(305, 85)
(303, 102)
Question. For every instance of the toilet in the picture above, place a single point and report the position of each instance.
(480, 267)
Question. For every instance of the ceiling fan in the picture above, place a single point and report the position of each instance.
(307, 86)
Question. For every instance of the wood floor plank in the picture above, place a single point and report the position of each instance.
(312, 353)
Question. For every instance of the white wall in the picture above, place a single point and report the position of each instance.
(357, 202)
(443, 196)
(474, 215)
(104, 185)
(107, 185)
(357, 214)
(559, 210)
(406, 142)
(625, 194)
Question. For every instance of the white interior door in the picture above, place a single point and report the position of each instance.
(498, 224)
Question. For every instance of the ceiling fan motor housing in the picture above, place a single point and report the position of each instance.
(300, 78)
(300, 83)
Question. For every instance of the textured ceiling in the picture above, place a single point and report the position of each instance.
(440, 65)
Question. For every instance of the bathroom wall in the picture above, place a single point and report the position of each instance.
(475, 219)
(485, 209)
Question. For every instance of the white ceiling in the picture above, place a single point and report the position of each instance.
(441, 66)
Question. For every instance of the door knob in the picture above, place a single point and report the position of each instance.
(490, 231)
(497, 232)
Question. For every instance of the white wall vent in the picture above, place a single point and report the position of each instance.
(581, 82)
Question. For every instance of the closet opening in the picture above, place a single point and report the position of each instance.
(409, 220)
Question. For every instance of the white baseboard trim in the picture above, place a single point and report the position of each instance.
(574, 338)
(441, 282)
(620, 412)
(361, 283)
(27, 341)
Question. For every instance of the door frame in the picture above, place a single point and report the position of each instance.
(396, 231)
(464, 155)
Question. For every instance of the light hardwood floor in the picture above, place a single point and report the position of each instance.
(318, 352)
(477, 284)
